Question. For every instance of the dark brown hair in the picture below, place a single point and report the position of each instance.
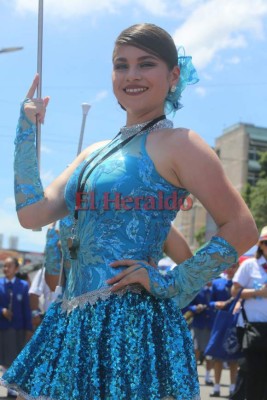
(259, 252)
(151, 38)
(14, 260)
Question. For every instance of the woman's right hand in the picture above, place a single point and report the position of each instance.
(7, 314)
(34, 108)
(262, 292)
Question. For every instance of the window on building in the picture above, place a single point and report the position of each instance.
(253, 153)
(253, 177)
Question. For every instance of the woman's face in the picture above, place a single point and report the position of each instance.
(230, 272)
(9, 269)
(141, 82)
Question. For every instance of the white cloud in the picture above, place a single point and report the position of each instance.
(201, 91)
(217, 25)
(47, 177)
(78, 8)
(210, 26)
(155, 7)
(45, 149)
(68, 8)
(190, 3)
(100, 96)
(206, 76)
(234, 60)
(9, 201)
(35, 241)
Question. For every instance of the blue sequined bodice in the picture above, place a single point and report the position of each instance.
(128, 209)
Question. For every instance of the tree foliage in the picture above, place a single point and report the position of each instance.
(263, 164)
(258, 203)
(256, 196)
(200, 236)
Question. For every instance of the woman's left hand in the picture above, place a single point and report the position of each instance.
(135, 273)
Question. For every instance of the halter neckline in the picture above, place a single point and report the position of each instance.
(128, 131)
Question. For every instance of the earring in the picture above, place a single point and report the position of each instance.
(173, 88)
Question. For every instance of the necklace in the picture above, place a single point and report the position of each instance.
(137, 129)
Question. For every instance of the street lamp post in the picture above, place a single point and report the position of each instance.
(85, 108)
(10, 49)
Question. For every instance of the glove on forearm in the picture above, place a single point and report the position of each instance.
(52, 256)
(65, 231)
(187, 278)
(27, 184)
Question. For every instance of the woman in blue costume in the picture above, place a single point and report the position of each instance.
(116, 333)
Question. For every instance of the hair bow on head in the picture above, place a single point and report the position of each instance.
(188, 76)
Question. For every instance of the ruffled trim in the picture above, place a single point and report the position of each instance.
(27, 396)
(188, 76)
(21, 392)
(92, 297)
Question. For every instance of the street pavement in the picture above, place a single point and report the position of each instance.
(204, 390)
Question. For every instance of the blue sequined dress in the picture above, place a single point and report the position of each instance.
(94, 345)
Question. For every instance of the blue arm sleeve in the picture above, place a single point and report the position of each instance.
(192, 308)
(65, 231)
(27, 184)
(187, 278)
(52, 256)
(212, 305)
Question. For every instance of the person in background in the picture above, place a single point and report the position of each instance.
(252, 277)
(52, 256)
(40, 297)
(203, 318)
(221, 298)
(15, 315)
(46, 279)
(24, 276)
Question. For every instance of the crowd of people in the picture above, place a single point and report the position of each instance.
(118, 324)
(246, 279)
(23, 303)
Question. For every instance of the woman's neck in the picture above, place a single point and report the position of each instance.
(133, 119)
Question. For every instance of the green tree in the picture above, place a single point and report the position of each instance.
(263, 164)
(200, 236)
(258, 203)
(246, 193)
(256, 196)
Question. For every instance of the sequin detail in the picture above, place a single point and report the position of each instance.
(27, 397)
(93, 296)
(207, 264)
(65, 228)
(128, 131)
(126, 347)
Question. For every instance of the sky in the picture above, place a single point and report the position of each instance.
(226, 38)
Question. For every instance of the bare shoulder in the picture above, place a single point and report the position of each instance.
(187, 137)
(192, 159)
(93, 147)
(188, 144)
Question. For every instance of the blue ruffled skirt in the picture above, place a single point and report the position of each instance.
(130, 347)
